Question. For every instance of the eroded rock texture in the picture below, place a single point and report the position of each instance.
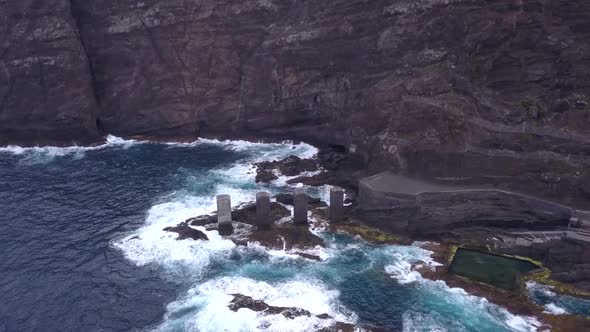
(468, 91)
(46, 91)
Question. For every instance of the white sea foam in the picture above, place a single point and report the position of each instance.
(544, 289)
(265, 151)
(151, 244)
(43, 154)
(213, 297)
(405, 259)
(554, 309)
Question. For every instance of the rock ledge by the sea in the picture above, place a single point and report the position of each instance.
(283, 235)
(246, 302)
(267, 171)
(186, 232)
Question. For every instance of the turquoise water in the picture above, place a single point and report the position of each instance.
(83, 249)
(558, 304)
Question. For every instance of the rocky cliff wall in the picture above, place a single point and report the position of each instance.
(468, 91)
(46, 87)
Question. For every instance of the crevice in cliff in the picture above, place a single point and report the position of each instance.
(76, 17)
(100, 126)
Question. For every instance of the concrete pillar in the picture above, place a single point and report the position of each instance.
(336, 204)
(300, 207)
(224, 222)
(263, 209)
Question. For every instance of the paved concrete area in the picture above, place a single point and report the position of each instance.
(390, 182)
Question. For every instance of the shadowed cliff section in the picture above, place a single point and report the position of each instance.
(491, 92)
(46, 96)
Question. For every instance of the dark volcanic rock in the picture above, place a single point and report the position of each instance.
(289, 166)
(265, 176)
(242, 301)
(46, 85)
(396, 203)
(186, 232)
(287, 237)
(312, 202)
(279, 236)
(308, 256)
(245, 213)
(336, 178)
(444, 211)
(335, 158)
(568, 259)
(202, 220)
(460, 90)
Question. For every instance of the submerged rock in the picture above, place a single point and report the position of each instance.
(308, 256)
(186, 232)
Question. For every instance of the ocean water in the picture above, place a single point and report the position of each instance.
(557, 304)
(82, 248)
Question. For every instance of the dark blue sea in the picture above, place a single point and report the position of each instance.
(82, 248)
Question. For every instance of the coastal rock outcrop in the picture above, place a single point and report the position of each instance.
(287, 199)
(266, 171)
(186, 232)
(281, 236)
(242, 301)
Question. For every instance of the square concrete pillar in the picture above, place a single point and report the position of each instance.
(263, 210)
(336, 204)
(224, 222)
(300, 207)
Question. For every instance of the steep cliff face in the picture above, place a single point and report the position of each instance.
(456, 90)
(46, 93)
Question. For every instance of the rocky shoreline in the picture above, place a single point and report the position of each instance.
(496, 238)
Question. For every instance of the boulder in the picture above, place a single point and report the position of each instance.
(242, 301)
(287, 199)
(290, 166)
(186, 232)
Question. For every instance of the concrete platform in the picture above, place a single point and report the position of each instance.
(394, 183)
(397, 202)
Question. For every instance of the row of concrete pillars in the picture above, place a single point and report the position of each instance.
(263, 217)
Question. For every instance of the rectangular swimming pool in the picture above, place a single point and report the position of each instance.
(495, 270)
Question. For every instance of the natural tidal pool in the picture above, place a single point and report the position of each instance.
(82, 248)
(498, 271)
